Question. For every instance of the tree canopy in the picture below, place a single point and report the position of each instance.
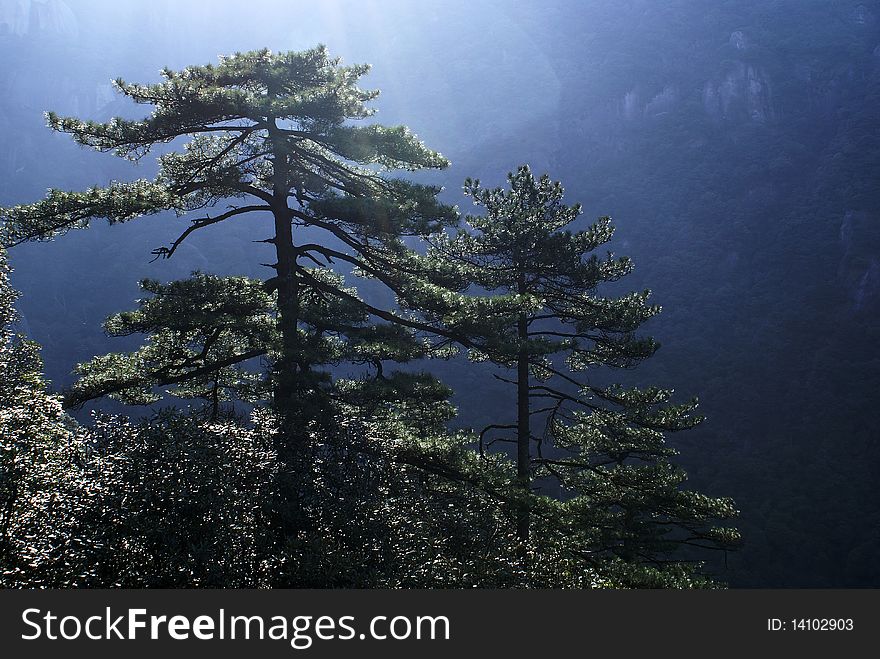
(602, 446)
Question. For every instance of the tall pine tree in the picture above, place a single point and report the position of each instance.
(602, 446)
(277, 134)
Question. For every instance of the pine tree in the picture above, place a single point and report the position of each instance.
(198, 331)
(602, 446)
(277, 132)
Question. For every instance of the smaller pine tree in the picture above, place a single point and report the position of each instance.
(603, 448)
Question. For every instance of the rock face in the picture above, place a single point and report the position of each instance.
(633, 106)
(742, 92)
(662, 102)
(861, 15)
(859, 269)
(25, 17)
(630, 105)
(739, 40)
(864, 295)
(14, 17)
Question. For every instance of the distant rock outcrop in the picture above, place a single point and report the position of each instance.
(742, 92)
(662, 102)
(859, 268)
(26, 17)
(861, 15)
(633, 106)
(630, 105)
(14, 17)
(739, 40)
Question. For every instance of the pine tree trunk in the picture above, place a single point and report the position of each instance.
(523, 458)
(285, 389)
(288, 443)
(288, 311)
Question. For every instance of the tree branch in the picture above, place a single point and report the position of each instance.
(167, 252)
